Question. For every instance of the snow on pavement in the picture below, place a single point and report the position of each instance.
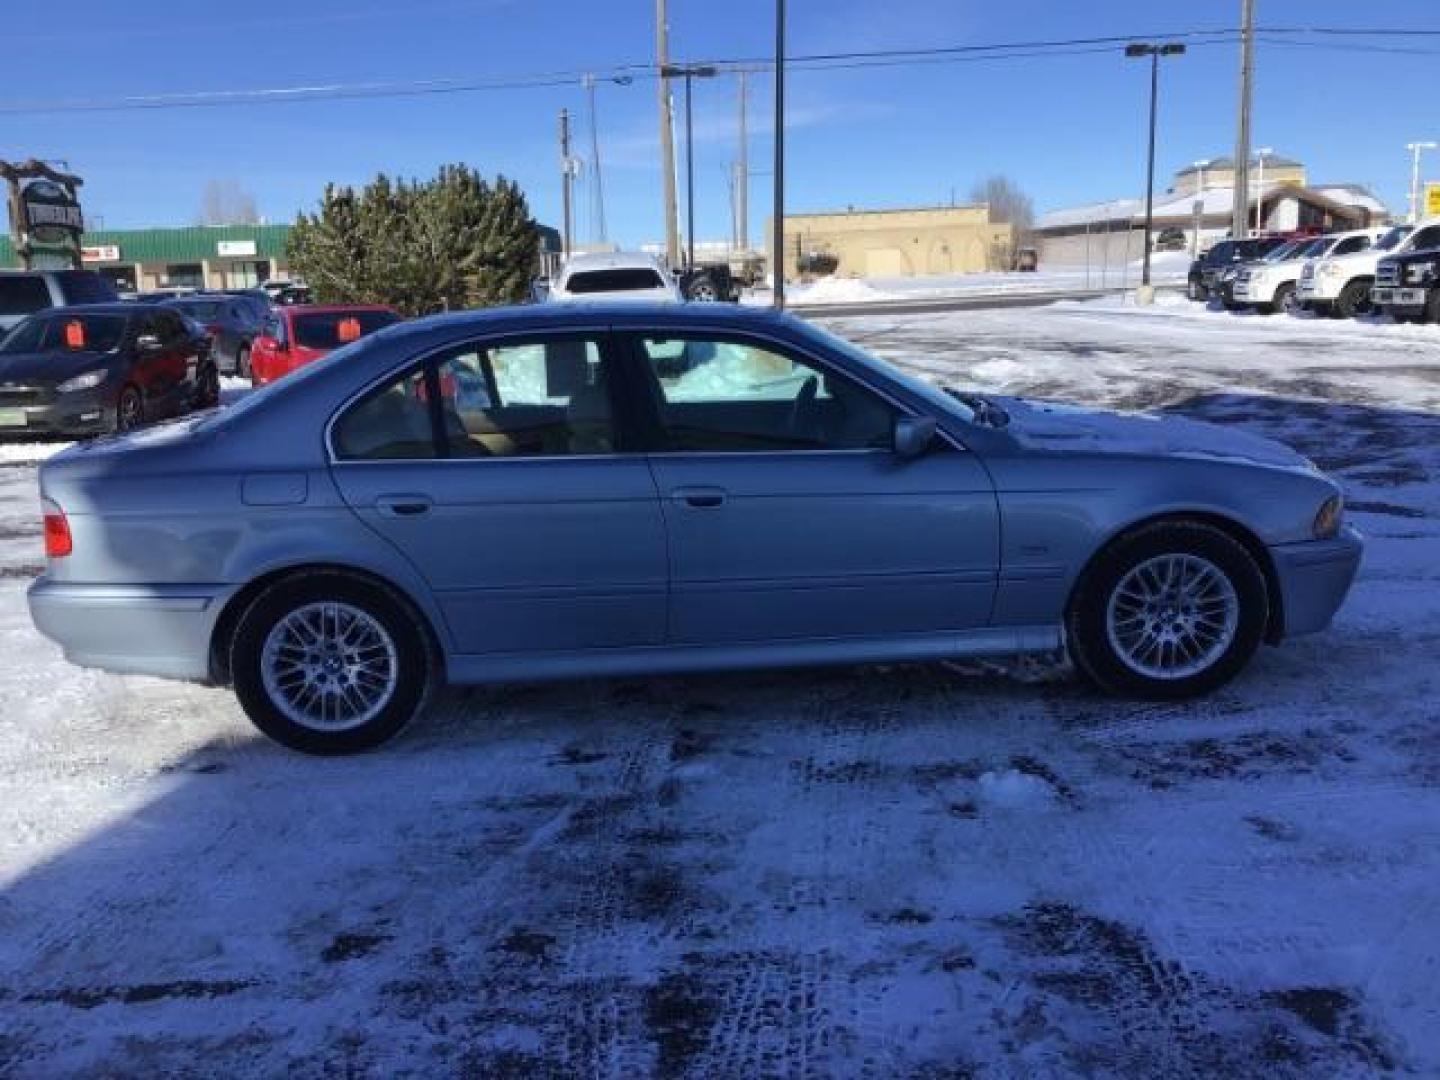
(927, 870)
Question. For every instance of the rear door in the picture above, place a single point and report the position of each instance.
(503, 469)
(788, 513)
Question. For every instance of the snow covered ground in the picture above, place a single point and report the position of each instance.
(915, 871)
(1167, 268)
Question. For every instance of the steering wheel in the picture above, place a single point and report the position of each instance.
(809, 390)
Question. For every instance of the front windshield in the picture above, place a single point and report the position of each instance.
(1391, 240)
(200, 310)
(926, 390)
(1284, 251)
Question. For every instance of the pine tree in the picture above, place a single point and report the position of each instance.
(452, 242)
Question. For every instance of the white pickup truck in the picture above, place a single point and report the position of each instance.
(1340, 286)
(1271, 285)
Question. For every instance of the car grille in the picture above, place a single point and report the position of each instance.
(17, 397)
(1242, 277)
(1388, 273)
(1308, 273)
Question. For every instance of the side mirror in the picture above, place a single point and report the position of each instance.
(913, 436)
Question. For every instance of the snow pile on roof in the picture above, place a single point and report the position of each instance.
(1353, 195)
(1101, 211)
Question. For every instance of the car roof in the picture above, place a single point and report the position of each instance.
(114, 307)
(610, 260)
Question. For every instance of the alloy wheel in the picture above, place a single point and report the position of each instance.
(329, 666)
(1172, 616)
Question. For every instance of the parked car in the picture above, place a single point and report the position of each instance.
(1205, 270)
(536, 492)
(95, 368)
(1340, 285)
(1223, 287)
(1272, 283)
(258, 299)
(291, 337)
(232, 324)
(709, 283)
(628, 276)
(24, 292)
(1407, 287)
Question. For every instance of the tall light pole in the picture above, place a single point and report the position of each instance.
(1415, 148)
(1135, 50)
(1199, 204)
(742, 174)
(1260, 156)
(777, 235)
(567, 179)
(689, 72)
(1240, 204)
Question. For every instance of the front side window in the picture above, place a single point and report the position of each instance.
(1351, 244)
(734, 396)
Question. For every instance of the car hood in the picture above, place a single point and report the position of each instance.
(1042, 425)
(28, 369)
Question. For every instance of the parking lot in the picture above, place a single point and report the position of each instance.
(932, 870)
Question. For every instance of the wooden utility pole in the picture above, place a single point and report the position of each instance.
(667, 134)
(777, 239)
(567, 179)
(1240, 215)
(597, 182)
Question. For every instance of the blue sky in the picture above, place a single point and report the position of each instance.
(1068, 129)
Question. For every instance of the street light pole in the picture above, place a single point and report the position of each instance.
(1260, 187)
(689, 72)
(1154, 52)
(1415, 148)
(1199, 203)
(777, 237)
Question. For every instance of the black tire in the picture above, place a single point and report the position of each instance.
(1285, 301)
(412, 672)
(242, 362)
(1354, 300)
(702, 289)
(1432, 307)
(207, 388)
(129, 408)
(1086, 623)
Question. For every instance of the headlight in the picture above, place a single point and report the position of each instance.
(1327, 521)
(1420, 273)
(1331, 269)
(88, 381)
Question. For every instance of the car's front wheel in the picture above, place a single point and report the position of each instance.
(330, 663)
(242, 363)
(1172, 610)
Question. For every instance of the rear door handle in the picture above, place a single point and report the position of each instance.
(703, 498)
(399, 506)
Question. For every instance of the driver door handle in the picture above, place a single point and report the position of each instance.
(402, 505)
(702, 498)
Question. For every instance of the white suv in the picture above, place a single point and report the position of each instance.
(1341, 285)
(618, 276)
(1271, 284)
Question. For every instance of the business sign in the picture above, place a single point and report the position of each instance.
(51, 214)
(235, 248)
(100, 253)
(1432, 200)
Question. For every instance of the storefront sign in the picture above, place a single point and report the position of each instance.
(101, 253)
(235, 248)
(51, 214)
(1432, 200)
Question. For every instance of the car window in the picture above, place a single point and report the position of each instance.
(205, 311)
(390, 424)
(328, 329)
(171, 328)
(1351, 244)
(91, 333)
(541, 398)
(619, 279)
(20, 294)
(274, 327)
(24, 338)
(85, 287)
(718, 395)
(1426, 238)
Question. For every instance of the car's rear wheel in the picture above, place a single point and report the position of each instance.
(129, 408)
(329, 663)
(1172, 610)
(702, 289)
(207, 391)
(1286, 302)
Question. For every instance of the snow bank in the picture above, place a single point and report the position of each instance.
(833, 290)
(1011, 789)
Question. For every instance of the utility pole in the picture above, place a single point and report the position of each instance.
(1415, 148)
(689, 171)
(597, 182)
(567, 177)
(742, 169)
(667, 133)
(777, 239)
(1240, 211)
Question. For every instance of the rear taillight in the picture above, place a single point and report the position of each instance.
(58, 543)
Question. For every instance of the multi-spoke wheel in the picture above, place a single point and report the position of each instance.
(1170, 610)
(329, 663)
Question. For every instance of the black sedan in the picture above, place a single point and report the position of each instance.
(232, 323)
(102, 367)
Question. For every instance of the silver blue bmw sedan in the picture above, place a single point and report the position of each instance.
(572, 490)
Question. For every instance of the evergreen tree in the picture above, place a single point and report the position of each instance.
(452, 242)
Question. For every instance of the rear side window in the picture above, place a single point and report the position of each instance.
(392, 425)
(83, 287)
(620, 279)
(322, 330)
(20, 294)
(92, 333)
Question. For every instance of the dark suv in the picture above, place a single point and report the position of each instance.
(1204, 278)
(24, 292)
(1407, 287)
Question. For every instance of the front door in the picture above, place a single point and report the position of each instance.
(499, 468)
(788, 513)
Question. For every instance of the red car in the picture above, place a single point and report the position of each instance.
(292, 337)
